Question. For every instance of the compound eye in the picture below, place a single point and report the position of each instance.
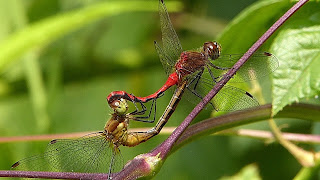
(212, 49)
(119, 106)
(208, 46)
(115, 104)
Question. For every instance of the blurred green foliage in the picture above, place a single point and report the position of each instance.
(59, 85)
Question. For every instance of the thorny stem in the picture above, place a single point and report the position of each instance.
(136, 168)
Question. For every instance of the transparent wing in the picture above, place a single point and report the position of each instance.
(171, 44)
(259, 65)
(90, 153)
(229, 98)
(168, 65)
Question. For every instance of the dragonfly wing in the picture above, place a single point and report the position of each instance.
(229, 98)
(90, 153)
(259, 65)
(33, 163)
(170, 40)
(165, 60)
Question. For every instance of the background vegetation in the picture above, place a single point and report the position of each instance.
(60, 59)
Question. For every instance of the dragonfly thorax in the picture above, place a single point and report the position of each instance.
(116, 129)
(190, 62)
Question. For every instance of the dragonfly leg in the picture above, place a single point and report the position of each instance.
(215, 79)
(111, 164)
(217, 67)
(138, 111)
(196, 79)
(193, 89)
(135, 138)
(212, 76)
(153, 110)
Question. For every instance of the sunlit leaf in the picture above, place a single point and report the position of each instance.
(297, 77)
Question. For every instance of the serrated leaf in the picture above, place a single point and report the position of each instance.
(297, 77)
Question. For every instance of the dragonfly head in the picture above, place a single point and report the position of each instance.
(119, 106)
(211, 49)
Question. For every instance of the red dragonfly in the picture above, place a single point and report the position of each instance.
(202, 69)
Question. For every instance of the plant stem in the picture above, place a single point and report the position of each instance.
(304, 157)
(238, 118)
(33, 76)
(268, 136)
(209, 126)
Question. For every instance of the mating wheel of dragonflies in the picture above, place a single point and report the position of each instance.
(201, 70)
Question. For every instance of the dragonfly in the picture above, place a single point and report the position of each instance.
(96, 152)
(202, 69)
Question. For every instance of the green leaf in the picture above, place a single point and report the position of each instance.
(43, 32)
(249, 172)
(294, 80)
(297, 77)
(250, 24)
(247, 28)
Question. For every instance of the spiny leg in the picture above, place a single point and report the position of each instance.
(146, 118)
(194, 91)
(137, 111)
(111, 163)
